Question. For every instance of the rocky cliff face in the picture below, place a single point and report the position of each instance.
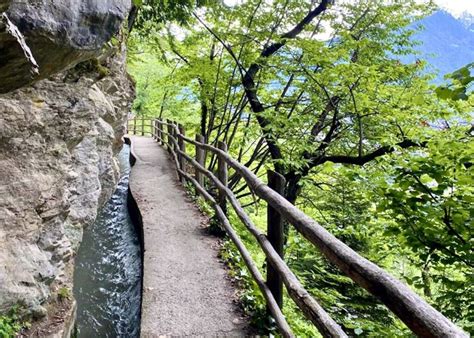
(58, 138)
(58, 33)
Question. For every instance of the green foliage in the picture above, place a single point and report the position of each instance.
(159, 11)
(458, 89)
(11, 323)
(340, 107)
(429, 195)
(8, 327)
(156, 95)
(64, 294)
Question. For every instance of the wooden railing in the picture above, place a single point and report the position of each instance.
(140, 126)
(418, 315)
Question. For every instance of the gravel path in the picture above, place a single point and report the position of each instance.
(186, 290)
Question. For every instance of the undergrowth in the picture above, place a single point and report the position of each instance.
(11, 323)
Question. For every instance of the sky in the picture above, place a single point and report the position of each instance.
(455, 7)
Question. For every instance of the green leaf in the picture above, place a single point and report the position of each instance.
(425, 178)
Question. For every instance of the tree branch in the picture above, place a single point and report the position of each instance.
(361, 160)
(225, 45)
(293, 33)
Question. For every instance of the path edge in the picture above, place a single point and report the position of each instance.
(137, 220)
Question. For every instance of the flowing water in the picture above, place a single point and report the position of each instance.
(107, 277)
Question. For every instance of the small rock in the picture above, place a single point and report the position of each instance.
(38, 312)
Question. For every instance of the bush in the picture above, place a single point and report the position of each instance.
(10, 324)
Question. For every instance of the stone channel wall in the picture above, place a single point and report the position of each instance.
(59, 134)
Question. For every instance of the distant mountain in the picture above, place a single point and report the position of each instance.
(467, 19)
(447, 42)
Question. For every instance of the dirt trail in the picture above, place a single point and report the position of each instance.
(186, 290)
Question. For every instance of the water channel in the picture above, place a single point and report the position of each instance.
(107, 277)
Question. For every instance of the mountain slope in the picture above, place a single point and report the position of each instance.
(447, 44)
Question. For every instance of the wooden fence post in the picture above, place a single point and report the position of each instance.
(158, 130)
(162, 130)
(201, 159)
(182, 147)
(222, 175)
(143, 125)
(175, 135)
(275, 234)
(134, 126)
(170, 134)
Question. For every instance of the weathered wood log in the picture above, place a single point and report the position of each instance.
(173, 146)
(172, 142)
(132, 126)
(417, 314)
(280, 320)
(175, 136)
(222, 175)
(158, 130)
(275, 234)
(182, 148)
(170, 134)
(201, 159)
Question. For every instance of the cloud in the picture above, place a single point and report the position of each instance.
(456, 7)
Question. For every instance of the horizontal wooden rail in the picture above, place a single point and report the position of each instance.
(418, 315)
(137, 126)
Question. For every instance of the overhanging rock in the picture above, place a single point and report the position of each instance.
(59, 34)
